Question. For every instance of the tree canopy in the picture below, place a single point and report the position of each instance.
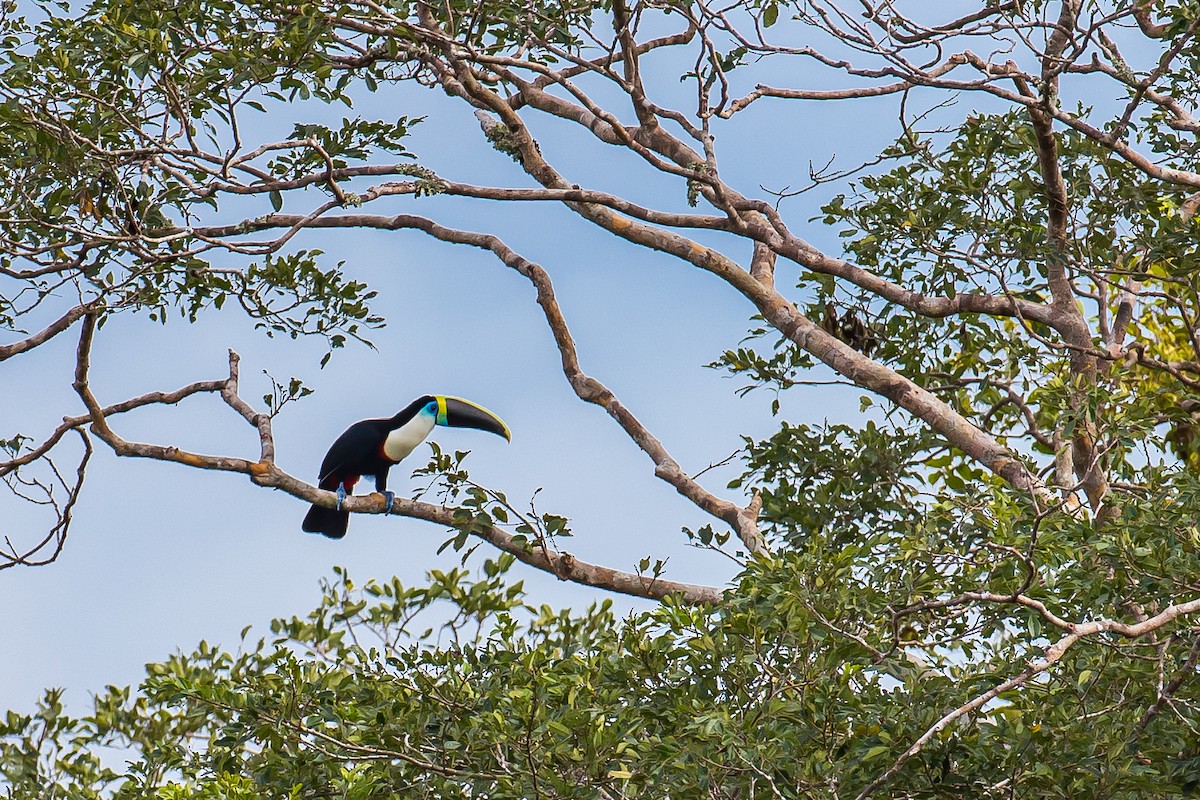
(985, 588)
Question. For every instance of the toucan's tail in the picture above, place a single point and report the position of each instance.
(326, 521)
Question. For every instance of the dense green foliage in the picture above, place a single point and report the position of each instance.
(461, 689)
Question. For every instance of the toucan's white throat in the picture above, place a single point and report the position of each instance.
(403, 440)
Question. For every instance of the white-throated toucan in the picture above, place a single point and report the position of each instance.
(373, 446)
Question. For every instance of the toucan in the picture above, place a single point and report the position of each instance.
(373, 446)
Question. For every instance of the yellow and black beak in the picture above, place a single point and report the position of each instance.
(455, 412)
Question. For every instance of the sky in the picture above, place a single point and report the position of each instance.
(162, 556)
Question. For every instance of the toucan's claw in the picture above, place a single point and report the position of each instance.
(389, 498)
(341, 493)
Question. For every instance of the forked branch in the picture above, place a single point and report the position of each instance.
(42, 493)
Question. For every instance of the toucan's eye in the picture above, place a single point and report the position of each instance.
(431, 408)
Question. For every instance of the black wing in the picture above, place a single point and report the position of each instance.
(353, 453)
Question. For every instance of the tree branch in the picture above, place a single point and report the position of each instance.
(265, 473)
(63, 511)
(68, 319)
(1050, 656)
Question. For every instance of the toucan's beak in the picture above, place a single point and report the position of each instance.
(455, 412)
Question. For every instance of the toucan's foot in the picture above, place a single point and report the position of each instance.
(388, 499)
(341, 493)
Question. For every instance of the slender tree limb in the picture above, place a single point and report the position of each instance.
(68, 319)
(1070, 321)
(57, 534)
(73, 423)
(600, 64)
(926, 78)
(766, 238)
(804, 254)
(346, 751)
(762, 90)
(1186, 672)
(100, 426)
(622, 24)
(1119, 147)
(1075, 631)
(265, 473)
(562, 565)
(261, 422)
(744, 521)
(1050, 656)
(516, 194)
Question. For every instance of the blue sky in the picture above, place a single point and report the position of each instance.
(162, 556)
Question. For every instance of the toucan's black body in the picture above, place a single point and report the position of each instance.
(372, 446)
(357, 452)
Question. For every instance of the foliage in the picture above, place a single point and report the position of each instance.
(461, 688)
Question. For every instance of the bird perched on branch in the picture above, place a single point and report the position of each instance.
(373, 446)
